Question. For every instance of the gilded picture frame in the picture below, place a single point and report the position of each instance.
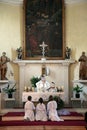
(44, 22)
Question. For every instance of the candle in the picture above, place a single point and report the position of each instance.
(62, 87)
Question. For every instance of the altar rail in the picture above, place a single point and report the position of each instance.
(36, 95)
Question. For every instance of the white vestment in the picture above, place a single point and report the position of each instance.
(42, 87)
(52, 90)
(52, 111)
(41, 113)
(29, 111)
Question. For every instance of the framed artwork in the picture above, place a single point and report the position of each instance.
(44, 23)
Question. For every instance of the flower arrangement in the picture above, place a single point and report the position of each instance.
(60, 102)
(10, 89)
(19, 49)
(34, 80)
(77, 89)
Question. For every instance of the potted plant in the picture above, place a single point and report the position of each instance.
(34, 80)
(77, 89)
(59, 101)
(9, 90)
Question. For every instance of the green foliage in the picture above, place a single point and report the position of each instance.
(60, 102)
(19, 49)
(34, 80)
(77, 89)
(9, 89)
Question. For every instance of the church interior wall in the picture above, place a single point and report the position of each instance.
(75, 33)
(11, 32)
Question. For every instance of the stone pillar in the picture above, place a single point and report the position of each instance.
(21, 81)
(66, 81)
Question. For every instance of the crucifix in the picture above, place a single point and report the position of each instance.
(43, 45)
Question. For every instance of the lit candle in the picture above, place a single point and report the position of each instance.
(62, 87)
(25, 88)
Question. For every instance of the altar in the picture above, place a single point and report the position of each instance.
(36, 95)
(58, 73)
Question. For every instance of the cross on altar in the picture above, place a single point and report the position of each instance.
(43, 45)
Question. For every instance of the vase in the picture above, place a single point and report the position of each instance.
(10, 95)
(77, 95)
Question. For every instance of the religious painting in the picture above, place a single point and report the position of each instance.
(44, 23)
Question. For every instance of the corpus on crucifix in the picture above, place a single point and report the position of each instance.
(43, 45)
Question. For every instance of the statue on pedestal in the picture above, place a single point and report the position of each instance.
(67, 53)
(83, 66)
(3, 65)
(19, 53)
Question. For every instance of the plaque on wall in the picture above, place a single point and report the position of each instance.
(44, 22)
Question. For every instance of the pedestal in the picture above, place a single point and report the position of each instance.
(3, 83)
(76, 102)
(83, 94)
(9, 102)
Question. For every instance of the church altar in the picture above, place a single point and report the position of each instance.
(36, 95)
(59, 74)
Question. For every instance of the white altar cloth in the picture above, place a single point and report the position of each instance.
(36, 95)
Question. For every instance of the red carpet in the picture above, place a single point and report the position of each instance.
(50, 123)
(14, 114)
(22, 114)
(19, 116)
(67, 122)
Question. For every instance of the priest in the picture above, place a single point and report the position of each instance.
(43, 85)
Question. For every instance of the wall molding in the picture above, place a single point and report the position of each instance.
(20, 2)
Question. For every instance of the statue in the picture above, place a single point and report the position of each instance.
(3, 65)
(67, 53)
(83, 66)
(19, 53)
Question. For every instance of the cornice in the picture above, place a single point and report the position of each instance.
(20, 2)
(13, 2)
(74, 1)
